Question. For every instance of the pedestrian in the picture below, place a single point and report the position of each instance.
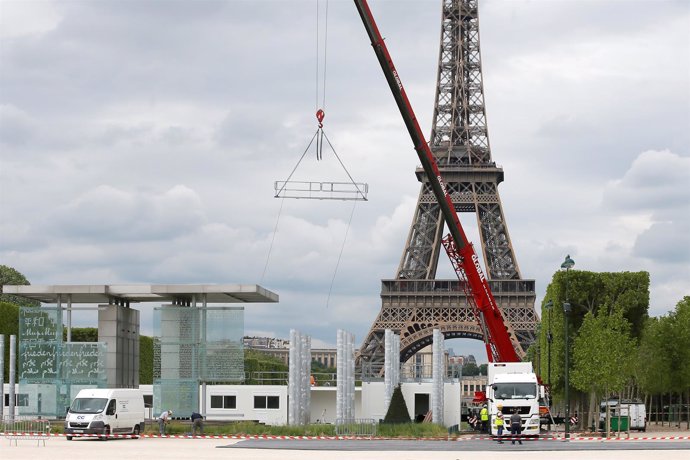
(163, 420)
(515, 426)
(484, 418)
(197, 422)
(499, 426)
(473, 420)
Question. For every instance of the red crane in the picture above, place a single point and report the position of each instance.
(499, 346)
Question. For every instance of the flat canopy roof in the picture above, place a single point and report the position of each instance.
(160, 293)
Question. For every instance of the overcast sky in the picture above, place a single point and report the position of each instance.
(140, 140)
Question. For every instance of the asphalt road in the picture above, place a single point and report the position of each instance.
(460, 446)
(212, 449)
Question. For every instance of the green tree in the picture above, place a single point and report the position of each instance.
(82, 334)
(397, 410)
(655, 357)
(602, 358)
(470, 370)
(256, 363)
(10, 276)
(680, 333)
(9, 325)
(588, 292)
(145, 360)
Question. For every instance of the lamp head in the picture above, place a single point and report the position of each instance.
(568, 263)
(548, 305)
(566, 307)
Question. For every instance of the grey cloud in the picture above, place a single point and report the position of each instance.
(108, 213)
(665, 242)
(16, 126)
(657, 181)
(125, 100)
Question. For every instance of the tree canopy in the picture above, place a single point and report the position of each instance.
(623, 295)
(10, 276)
(603, 357)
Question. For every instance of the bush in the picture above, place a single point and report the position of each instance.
(397, 410)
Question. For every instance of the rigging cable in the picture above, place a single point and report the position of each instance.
(273, 238)
(349, 223)
(341, 164)
(282, 201)
(337, 264)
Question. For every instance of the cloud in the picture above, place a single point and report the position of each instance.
(654, 193)
(27, 20)
(656, 181)
(16, 126)
(667, 242)
(140, 143)
(112, 214)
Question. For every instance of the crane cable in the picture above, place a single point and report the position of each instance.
(321, 135)
(337, 264)
(320, 112)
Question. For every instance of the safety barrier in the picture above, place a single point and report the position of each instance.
(360, 427)
(25, 427)
(350, 438)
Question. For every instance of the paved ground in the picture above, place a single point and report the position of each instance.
(172, 449)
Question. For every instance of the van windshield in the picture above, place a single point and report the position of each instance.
(515, 390)
(88, 405)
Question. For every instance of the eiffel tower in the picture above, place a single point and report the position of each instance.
(415, 302)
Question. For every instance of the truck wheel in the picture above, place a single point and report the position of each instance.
(106, 433)
(69, 438)
(136, 431)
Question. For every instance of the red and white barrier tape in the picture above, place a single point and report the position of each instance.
(338, 438)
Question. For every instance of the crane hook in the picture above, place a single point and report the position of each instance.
(320, 114)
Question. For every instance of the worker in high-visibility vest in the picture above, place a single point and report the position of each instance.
(499, 426)
(484, 417)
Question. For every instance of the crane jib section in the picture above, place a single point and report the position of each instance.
(464, 259)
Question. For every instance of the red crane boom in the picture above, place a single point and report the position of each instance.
(499, 346)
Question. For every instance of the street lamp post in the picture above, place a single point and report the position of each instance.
(567, 264)
(549, 339)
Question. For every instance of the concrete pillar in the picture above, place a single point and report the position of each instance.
(118, 327)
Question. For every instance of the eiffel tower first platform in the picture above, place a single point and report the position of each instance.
(415, 302)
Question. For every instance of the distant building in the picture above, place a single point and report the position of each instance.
(280, 349)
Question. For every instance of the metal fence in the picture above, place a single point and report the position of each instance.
(360, 427)
(26, 428)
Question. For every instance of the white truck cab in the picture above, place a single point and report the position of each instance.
(106, 411)
(514, 387)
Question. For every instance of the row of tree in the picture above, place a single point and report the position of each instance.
(615, 348)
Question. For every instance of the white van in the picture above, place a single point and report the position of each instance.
(634, 409)
(106, 411)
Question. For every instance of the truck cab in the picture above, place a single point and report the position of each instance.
(514, 387)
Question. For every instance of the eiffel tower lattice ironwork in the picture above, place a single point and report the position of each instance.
(415, 302)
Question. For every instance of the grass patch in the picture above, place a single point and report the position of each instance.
(412, 430)
(245, 428)
(398, 430)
